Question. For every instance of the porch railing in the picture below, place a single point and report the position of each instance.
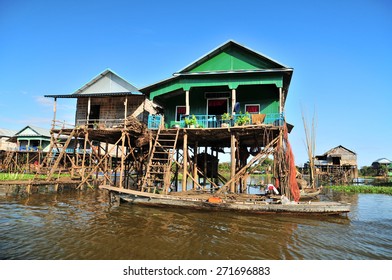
(154, 121)
(100, 123)
(208, 121)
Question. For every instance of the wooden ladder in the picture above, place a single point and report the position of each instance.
(58, 156)
(8, 160)
(159, 165)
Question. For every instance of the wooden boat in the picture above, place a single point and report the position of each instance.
(309, 193)
(245, 203)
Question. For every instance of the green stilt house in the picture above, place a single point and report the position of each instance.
(232, 97)
(230, 79)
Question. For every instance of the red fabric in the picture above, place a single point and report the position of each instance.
(252, 109)
(181, 110)
(216, 103)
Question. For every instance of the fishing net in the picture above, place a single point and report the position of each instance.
(292, 170)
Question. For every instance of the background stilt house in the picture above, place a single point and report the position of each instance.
(31, 144)
(110, 119)
(32, 138)
(6, 147)
(107, 100)
(5, 136)
(338, 164)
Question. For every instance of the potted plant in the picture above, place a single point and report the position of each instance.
(226, 117)
(242, 119)
(191, 122)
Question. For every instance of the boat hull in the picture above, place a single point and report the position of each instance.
(257, 207)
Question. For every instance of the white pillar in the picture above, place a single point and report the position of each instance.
(187, 109)
(233, 162)
(126, 107)
(233, 100)
(280, 101)
(88, 109)
(54, 112)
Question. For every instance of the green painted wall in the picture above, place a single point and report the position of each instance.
(266, 96)
(234, 59)
(232, 81)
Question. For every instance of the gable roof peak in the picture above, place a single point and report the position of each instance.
(117, 84)
(221, 48)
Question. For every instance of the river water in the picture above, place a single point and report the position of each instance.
(81, 225)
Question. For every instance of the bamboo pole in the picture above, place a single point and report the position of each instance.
(311, 147)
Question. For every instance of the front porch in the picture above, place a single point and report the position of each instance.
(217, 121)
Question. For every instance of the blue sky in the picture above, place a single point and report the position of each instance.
(340, 52)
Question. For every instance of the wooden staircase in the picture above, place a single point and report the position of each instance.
(159, 165)
(8, 160)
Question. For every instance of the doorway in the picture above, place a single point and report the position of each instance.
(94, 115)
(217, 106)
(94, 112)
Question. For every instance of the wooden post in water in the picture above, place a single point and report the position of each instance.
(205, 167)
(185, 161)
(84, 153)
(122, 159)
(106, 163)
(233, 162)
(195, 163)
(176, 175)
(27, 160)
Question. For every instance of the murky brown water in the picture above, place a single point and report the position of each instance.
(82, 225)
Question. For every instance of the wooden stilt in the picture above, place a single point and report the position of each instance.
(205, 167)
(106, 163)
(261, 156)
(185, 161)
(195, 162)
(233, 163)
(122, 160)
(176, 175)
(84, 154)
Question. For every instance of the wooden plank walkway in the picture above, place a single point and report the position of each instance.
(40, 182)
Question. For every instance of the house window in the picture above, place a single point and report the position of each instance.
(180, 110)
(252, 108)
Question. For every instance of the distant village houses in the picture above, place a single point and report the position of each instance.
(338, 164)
(5, 135)
(383, 166)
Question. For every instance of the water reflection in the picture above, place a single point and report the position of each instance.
(82, 225)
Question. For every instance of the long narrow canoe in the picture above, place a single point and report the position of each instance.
(229, 204)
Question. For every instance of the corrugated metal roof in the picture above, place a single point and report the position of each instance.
(332, 151)
(383, 161)
(100, 94)
(123, 84)
(7, 132)
(39, 131)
